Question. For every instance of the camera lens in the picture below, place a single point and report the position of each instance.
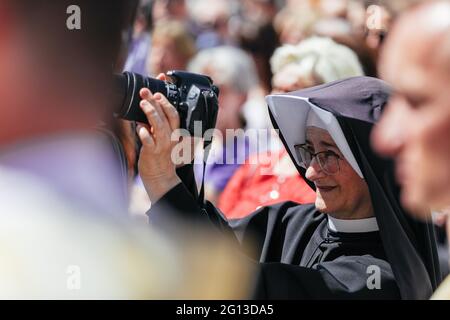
(193, 95)
(127, 90)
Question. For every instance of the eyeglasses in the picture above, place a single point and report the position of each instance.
(328, 160)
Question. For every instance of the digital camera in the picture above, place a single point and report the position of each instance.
(193, 95)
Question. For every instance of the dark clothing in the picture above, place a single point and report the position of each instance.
(299, 257)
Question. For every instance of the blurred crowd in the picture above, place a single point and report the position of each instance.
(252, 48)
(52, 168)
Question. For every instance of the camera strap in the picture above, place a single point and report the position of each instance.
(201, 195)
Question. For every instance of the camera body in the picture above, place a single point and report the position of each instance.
(193, 95)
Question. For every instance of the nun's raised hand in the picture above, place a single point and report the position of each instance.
(156, 168)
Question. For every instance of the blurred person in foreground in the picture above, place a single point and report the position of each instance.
(354, 242)
(272, 177)
(415, 128)
(65, 232)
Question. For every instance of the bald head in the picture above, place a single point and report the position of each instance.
(432, 19)
(415, 127)
(424, 34)
(435, 14)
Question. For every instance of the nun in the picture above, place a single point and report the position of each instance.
(355, 241)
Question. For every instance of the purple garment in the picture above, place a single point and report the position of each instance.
(138, 53)
(221, 166)
(81, 167)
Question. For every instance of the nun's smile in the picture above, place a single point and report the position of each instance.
(340, 192)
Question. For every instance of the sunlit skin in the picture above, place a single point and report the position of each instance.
(415, 127)
(343, 195)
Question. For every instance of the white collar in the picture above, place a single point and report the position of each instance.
(353, 226)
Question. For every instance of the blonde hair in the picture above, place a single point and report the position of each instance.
(318, 58)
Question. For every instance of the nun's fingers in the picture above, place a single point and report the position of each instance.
(161, 132)
(169, 110)
(161, 103)
(147, 95)
(154, 120)
(145, 136)
(162, 77)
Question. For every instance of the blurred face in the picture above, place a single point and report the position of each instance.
(377, 24)
(164, 9)
(259, 10)
(24, 85)
(230, 106)
(164, 57)
(334, 8)
(415, 127)
(43, 87)
(344, 195)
